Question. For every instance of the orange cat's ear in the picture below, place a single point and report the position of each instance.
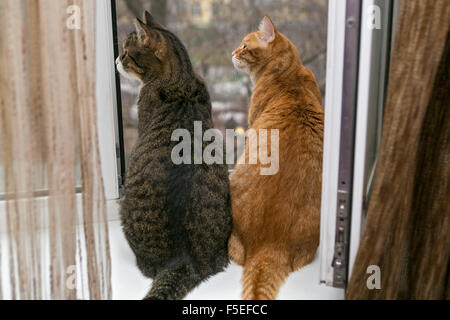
(267, 30)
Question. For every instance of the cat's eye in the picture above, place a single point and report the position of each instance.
(244, 46)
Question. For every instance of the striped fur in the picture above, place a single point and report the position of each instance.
(176, 218)
(263, 275)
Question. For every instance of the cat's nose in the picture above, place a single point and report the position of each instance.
(117, 61)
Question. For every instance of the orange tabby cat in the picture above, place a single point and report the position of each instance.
(276, 218)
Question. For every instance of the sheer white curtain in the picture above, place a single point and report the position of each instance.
(55, 246)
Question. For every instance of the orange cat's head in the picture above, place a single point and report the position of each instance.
(257, 48)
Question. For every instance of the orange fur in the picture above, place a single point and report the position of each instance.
(276, 218)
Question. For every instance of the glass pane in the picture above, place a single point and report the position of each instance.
(211, 30)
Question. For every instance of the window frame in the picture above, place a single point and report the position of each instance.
(330, 165)
(373, 53)
(109, 104)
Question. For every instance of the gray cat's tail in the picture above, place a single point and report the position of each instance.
(174, 283)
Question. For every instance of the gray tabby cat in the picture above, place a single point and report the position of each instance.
(176, 218)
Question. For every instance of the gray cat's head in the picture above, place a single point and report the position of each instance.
(152, 52)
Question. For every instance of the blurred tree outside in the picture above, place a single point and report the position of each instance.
(211, 30)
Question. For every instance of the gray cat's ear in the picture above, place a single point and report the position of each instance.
(149, 20)
(141, 28)
(267, 30)
(144, 31)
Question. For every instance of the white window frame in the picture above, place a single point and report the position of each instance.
(333, 104)
(107, 104)
(373, 67)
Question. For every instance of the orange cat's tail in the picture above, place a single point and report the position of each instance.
(263, 277)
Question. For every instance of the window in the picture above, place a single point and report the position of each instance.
(196, 10)
(215, 9)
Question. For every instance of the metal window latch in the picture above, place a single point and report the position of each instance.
(340, 258)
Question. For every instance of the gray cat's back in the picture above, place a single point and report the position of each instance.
(176, 217)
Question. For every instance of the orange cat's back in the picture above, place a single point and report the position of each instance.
(276, 218)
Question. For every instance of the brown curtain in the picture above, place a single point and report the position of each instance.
(48, 133)
(407, 231)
